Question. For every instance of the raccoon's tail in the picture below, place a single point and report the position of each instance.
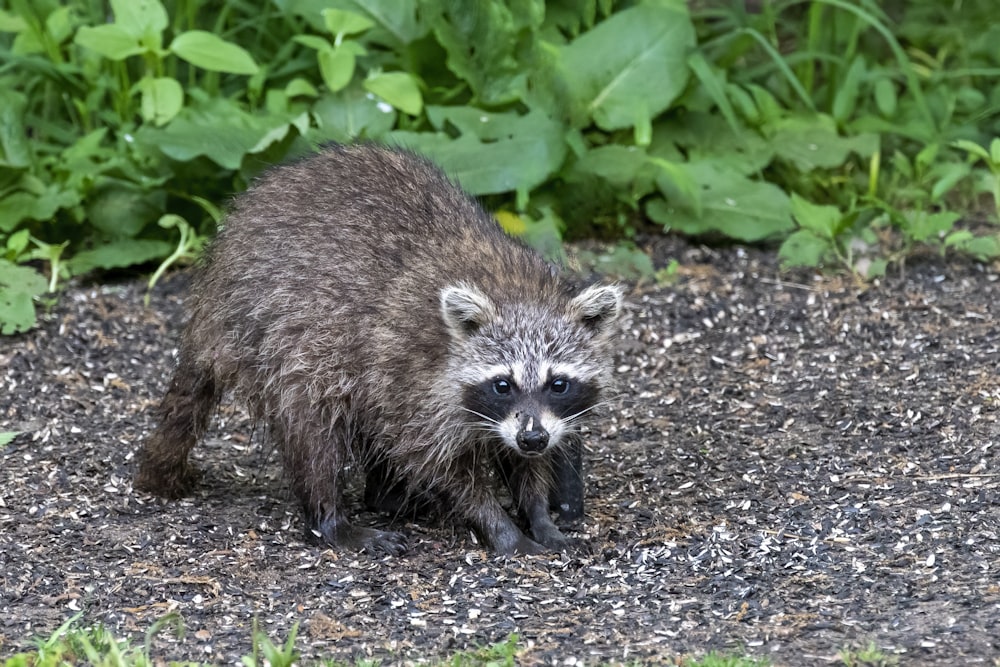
(184, 413)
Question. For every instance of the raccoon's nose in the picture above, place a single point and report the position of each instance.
(534, 440)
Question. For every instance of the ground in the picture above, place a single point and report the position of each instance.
(795, 465)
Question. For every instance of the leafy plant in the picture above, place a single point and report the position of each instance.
(125, 126)
(870, 656)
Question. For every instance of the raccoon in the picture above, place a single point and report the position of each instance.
(373, 316)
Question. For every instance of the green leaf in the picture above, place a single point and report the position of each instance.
(122, 209)
(336, 66)
(496, 152)
(740, 208)
(313, 42)
(922, 226)
(400, 18)
(846, 99)
(618, 165)
(341, 22)
(109, 40)
(7, 437)
(350, 114)
(399, 89)
(823, 221)
(140, 18)
(15, 149)
(885, 97)
(972, 148)
(637, 56)
(118, 254)
(162, 99)
(803, 248)
(812, 142)
(486, 46)
(18, 287)
(210, 52)
(219, 130)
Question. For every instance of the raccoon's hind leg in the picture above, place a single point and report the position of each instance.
(184, 413)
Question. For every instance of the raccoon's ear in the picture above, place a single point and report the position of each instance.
(597, 306)
(464, 309)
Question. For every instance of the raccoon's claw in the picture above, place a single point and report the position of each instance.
(554, 540)
(385, 541)
(346, 536)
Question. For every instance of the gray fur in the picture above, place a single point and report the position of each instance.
(351, 300)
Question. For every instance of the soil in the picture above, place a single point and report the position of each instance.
(797, 465)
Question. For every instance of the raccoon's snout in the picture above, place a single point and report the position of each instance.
(532, 436)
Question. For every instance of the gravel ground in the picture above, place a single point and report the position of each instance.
(795, 466)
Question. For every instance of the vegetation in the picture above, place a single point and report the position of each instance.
(848, 132)
(72, 644)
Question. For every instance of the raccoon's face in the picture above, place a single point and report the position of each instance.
(529, 374)
(531, 410)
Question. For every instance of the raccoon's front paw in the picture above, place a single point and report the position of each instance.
(552, 538)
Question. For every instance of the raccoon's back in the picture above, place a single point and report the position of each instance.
(348, 241)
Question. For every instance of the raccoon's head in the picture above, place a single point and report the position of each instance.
(528, 372)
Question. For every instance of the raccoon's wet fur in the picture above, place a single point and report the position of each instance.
(371, 314)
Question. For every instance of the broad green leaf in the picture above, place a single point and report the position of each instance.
(218, 130)
(119, 254)
(485, 45)
(618, 165)
(515, 152)
(740, 208)
(823, 221)
(140, 18)
(400, 18)
(336, 66)
(341, 22)
(15, 149)
(122, 209)
(15, 207)
(923, 226)
(7, 437)
(983, 248)
(110, 40)
(207, 51)
(812, 142)
(399, 89)
(162, 99)
(518, 163)
(704, 137)
(59, 24)
(18, 286)
(350, 114)
(803, 248)
(637, 56)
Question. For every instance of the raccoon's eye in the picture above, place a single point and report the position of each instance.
(559, 386)
(501, 386)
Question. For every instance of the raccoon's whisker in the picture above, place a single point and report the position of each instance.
(575, 415)
(480, 414)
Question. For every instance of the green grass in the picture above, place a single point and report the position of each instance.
(74, 644)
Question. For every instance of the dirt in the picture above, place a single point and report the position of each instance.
(796, 465)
